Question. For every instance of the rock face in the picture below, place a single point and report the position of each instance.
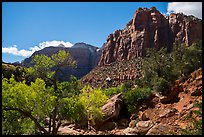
(149, 28)
(194, 83)
(86, 56)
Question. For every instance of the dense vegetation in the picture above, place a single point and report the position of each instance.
(26, 104)
(161, 69)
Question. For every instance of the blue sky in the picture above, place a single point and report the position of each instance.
(30, 26)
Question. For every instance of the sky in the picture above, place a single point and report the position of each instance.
(30, 26)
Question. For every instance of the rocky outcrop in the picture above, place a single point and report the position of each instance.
(149, 28)
(185, 29)
(86, 56)
(121, 54)
(194, 83)
(112, 108)
(111, 111)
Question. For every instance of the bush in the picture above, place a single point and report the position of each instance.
(72, 109)
(124, 87)
(68, 89)
(136, 97)
(160, 85)
(92, 100)
(161, 69)
(112, 91)
(187, 59)
(13, 123)
(127, 85)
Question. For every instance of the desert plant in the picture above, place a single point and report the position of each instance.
(136, 97)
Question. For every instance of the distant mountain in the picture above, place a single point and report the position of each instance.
(86, 56)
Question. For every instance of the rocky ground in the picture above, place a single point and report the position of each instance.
(118, 72)
(162, 115)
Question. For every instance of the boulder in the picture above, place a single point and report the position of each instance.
(130, 131)
(167, 112)
(111, 111)
(108, 126)
(68, 131)
(112, 108)
(143, 116)
(132, 123)
(142, 127)
(159, 129)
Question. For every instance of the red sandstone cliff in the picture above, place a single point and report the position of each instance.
(149, 28)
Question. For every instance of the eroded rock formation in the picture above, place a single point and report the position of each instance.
(149, 28)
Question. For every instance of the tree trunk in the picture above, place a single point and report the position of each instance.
(50, 124)
(54, 121)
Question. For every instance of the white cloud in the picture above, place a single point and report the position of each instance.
(13, 50)
(187, 8)
(25, 53)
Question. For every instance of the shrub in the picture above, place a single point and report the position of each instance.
(72, 109)
(112, 91)
(160, 85)
(187, 59)
(161, 69)
(127, 85)
(92, 100)
(136, 97)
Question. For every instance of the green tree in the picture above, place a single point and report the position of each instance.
(92, 100)
(157, 63)
(161, 69)
(186, 59)
(46, 69)
(157, 70)
(31, 102)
